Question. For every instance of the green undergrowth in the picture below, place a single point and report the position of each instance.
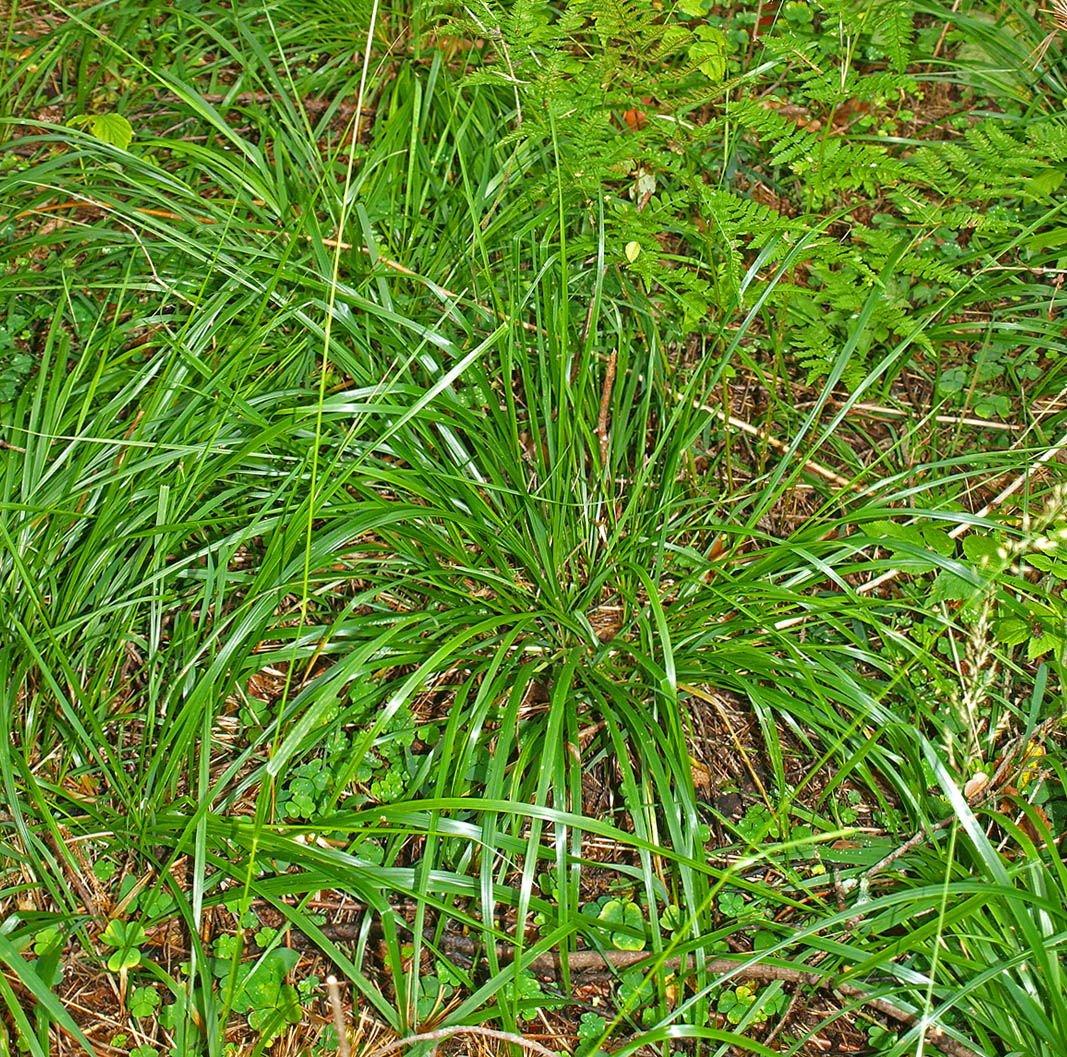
(389, 512)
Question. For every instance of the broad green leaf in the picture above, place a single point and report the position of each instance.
(979, 548)
(108, 128)
(709, 52)
(1039, 645)
(123, 933)
(124, 958)
(1012, 632)
(948, 587)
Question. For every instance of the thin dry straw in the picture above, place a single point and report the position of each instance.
(333, 992)
(964, 526)
(1058, 11)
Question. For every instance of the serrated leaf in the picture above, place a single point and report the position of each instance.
(1039, 645)
(891, 530)
(1045, 182)
(894, 32)
(709, 52)
(938, 540)
(907, 542)
(979, 548)
(1012, 632)
(108, 128)
(948, 587)
(1048, 564)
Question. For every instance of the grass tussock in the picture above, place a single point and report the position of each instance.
(551, 517)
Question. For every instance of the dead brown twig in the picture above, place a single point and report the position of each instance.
(880, 411)
(811, 465)
(605, 406)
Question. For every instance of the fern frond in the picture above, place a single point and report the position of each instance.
(894, 30)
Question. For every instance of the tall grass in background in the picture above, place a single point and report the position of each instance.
(368, 528)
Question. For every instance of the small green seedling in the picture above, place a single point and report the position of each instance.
(621, 916)
(740, 1003)
(590, 1030)
(262, 993)
(126, 937)
(735, 1002)
(143, 1002)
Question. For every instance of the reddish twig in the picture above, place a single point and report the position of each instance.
(605, 405)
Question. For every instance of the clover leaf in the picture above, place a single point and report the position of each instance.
(627, 914)
(143, 1001)
(126, 937)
